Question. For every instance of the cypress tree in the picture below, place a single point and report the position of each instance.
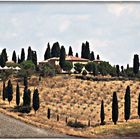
(127, 104)
(10, 91)
(36, 100)
(49, 113)
(76, 55)
(29, 98)
(139, 105)
(14, 57)
(70, 51)
(118, 70)
(115, 108)
(55, 51)
(25, 96)
(4, 91)
(2, 61)
(4, 54)
(34, 57)
(136, 64)
(22, 55)
(29, 56)
(83, 51)
(87, 53)
(17, 95)
(102, 114)
(47, 54)
(92, 56)
(98, 57)
(62, 57)
(122, 69)
(19, 60)
(25, 81)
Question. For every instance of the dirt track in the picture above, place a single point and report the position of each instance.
(12, 128)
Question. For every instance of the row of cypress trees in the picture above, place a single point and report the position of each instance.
(55, 51)
(8, 94)
(115, 110)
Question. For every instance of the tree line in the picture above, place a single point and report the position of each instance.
(7, 93)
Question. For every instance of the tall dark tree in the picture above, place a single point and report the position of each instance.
(22, 58)
(98, 57)
(36, 103)
(70, 51)
(2, 61)
(34, 57)
(47, 54)
(102, 114)
(127, 66)
(49, 113)
(136, 64)
(26, 97)
(92, 57)
(122, 69)
(76, 55)
(14, 57)
(17, 95)
(4, 92)
(118, 70)
(115, 111)
(55, 51)
(139, 105)
(19, 61)
(62, 57)
(85, 53)
(25, 82)
(29, 55)
(127, 104)
(9, 91)
(4, 54)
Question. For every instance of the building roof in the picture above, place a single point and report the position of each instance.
(68, 58)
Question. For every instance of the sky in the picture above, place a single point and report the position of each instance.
(111, 28)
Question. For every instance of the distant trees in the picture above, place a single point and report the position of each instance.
(85, 53)
(70, 53)
(127, 104)
(76, 55)
(55, 51)
(3, 58)
(17, 95)
(114, 108)
(29, 55)
(92, 57)
(91, 67)
(47, 54)
(136, 64)
(98, 57)
(78, 67)
(118, 70)
(22, 58)
(102, 114)
(14, 57)
(67, 66)
(36, 103)
(62, 57)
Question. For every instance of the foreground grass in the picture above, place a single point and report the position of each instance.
(80, 99)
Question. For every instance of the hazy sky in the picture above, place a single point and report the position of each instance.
(112, 29)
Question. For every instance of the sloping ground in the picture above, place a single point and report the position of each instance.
(12, 128)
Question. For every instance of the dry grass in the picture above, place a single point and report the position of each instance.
(75, 98)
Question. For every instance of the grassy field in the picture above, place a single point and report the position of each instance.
(81, 100)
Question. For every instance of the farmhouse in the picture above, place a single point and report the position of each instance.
(55, 61)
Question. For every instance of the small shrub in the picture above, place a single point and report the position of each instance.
(75, 124)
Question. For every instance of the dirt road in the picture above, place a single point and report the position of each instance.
(12, 128)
